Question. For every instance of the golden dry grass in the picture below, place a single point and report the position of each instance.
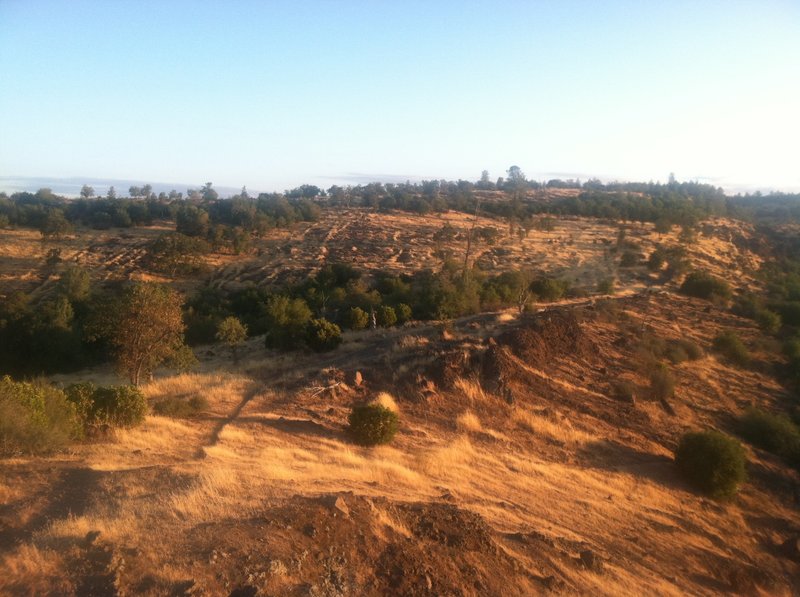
(468, 421)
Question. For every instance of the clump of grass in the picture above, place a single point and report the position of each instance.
(773, 433)
(177, 408)
(662, 383)
(712, 462)
(730, 346)
(372, 424)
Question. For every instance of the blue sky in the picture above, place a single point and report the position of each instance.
(275, 94)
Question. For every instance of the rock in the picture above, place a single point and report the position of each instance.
(428, 582)
(91, 537)
(341, 506)
(356, 380)
(591, 561)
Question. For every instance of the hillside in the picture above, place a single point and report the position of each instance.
(521, 466)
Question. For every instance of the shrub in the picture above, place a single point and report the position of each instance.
(662, 384)
(774, 433)
(768, 321)
(287, 320)
(705, 286)
(712, 462)
(692, 350)
(35, 418)
(322, 335)
(549, 289)
(386, 316)
(403, 312)
(629, 259)
(180, 409)
(356, 319)
(625, 391)
(118, 406)
(730, 346)
(372, 424)
(606, 286)
(656, 260)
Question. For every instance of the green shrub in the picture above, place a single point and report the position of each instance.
(606, 286)
(705, 286)
(286, 322)
(322, 335)
(768, 321)
(178, 408)
(549, 289)
(773, 433)
(629, 259)
(386, 316)
(712, 462)
(372, 424)
(403, 312)
(35, 418)
(656, 260)
(356, 319)
(118, 406)
(730, 346)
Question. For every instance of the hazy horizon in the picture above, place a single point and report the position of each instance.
(273, 95)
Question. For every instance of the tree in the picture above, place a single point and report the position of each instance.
(208, 193)
(55, 225)
(135, 191)
(112, 193)
(233, 333)
(145, 328)
(75, 283)
(87, 191)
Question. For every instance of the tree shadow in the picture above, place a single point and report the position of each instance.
(612, 456)
(296, 426)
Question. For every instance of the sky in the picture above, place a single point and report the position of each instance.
(274, 94)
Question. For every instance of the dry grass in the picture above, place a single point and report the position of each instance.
(386, 400)
(468, 421)
(556, 426)
(471, 390)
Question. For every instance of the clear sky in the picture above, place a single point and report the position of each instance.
(275, 94)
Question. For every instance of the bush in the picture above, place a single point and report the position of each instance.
(287, 320)
(768, 321)
(180, 409)
(372, 424)
(773, 433)
(692, 350)
(35, 418)
(322, 335)
(606, 286)
(705, 286)
(386, 316)
(712, 462)
(629, 259)
(662, 384)
(732, 348)
(356, 319)
(548, 289)
(118, 406)
(403, 312)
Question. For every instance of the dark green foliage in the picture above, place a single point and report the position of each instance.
(712, 462)
(403, 312)
(656, 260)
(177, 254)
(624, 390)
(286, 322)
(118, 406)
(630, 259)
(768, 321)
(704, 285)
(730, 346)
(548, 290)
(606, 286)
(322, 335)
(372, 424)
(35, 418)
(356, 318)
(386, 316)
(178, 408)
(774, 433)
